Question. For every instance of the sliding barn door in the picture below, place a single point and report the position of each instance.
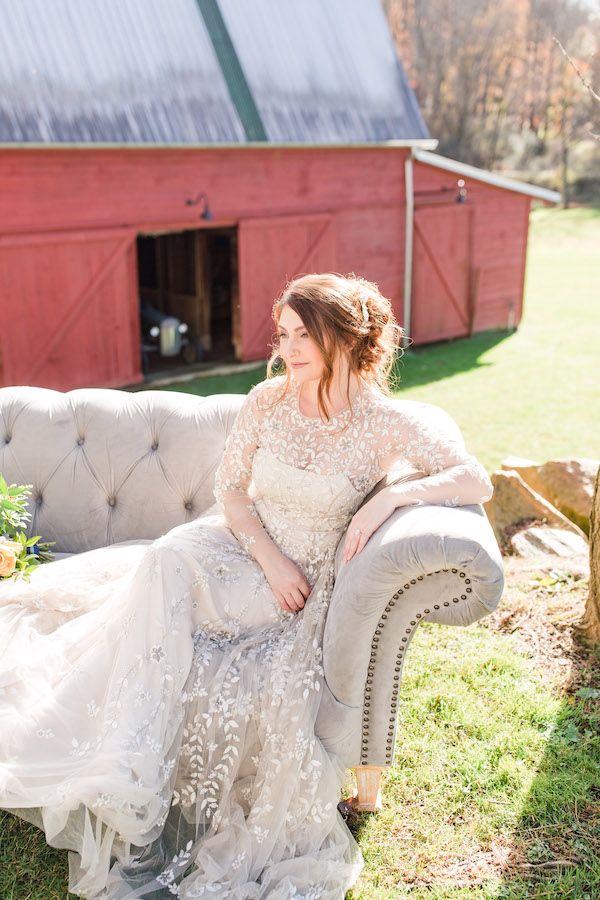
(70, 304)
(271, 252)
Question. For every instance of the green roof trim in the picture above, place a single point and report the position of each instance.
(238, 87)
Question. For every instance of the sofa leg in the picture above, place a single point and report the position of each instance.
(368, 782)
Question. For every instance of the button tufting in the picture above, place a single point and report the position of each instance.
(154, 445)
(81, 441)
(39, 499)
(112, 501)
(8, 439)
(188, 504)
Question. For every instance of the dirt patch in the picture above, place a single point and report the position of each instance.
(543, 603)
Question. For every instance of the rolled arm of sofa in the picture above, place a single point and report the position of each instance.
(425, 563)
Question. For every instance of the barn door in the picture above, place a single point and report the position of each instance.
(74, 319)
(271, 252)
(441, 301)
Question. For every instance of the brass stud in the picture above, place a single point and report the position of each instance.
(418, 615)
(467, 581)
(469, 590)
(413, 622)
(436, 606)
(413, 581)
(419, 578)
(426, 611)
(455, 599)
(377, 631)
(406, 587)
(462, 574)
(455, 571)
(384, 616)
(397, 668)
(404, 639)
(446, 603)
(407, 630)
(463, 597)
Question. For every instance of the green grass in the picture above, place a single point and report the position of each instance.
(533, 392)
(496, 773)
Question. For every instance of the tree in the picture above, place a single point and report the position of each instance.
(589, 629)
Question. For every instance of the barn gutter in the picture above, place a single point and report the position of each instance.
(408, 247)
(422, 143)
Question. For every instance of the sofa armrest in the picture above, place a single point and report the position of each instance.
(427, 563)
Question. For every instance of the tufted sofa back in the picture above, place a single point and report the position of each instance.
(108, 465)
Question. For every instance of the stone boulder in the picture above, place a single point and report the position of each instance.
(536, 540)
(568, 484)
(516, 506)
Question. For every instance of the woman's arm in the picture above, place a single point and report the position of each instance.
(233, 477)
(234, 473)
(452, 477)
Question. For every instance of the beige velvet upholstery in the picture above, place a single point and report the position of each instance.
(109, 466)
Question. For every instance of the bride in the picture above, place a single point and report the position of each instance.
(157, 719)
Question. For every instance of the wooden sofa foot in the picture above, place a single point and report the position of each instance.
(368, 797)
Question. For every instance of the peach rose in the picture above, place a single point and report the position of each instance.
(9, 550)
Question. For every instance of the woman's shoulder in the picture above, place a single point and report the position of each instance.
(266, 393)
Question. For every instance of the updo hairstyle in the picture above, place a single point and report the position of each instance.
(343, 314)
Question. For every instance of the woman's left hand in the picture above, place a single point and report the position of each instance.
(368, 519)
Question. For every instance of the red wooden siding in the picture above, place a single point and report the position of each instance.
(273, 251)
(74, 318)
(491, 258)
(441, 273)
(69, 219)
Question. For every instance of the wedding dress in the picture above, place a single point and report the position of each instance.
(157, 706)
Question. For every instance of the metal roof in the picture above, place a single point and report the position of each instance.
(201, 72)
(511, 184)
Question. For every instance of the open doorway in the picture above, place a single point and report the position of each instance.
(191, 277)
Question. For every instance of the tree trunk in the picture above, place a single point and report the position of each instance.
(589, 629)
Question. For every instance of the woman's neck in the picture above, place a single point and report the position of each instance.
(339, 392)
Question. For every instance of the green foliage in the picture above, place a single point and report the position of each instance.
(14, 518)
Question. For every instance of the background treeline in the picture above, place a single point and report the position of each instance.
(497, 91)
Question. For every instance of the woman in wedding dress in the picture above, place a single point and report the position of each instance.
(157, 703)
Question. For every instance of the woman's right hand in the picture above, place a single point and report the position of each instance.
(288, 583)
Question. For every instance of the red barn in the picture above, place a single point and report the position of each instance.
(197, 163)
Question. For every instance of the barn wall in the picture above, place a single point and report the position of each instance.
(62, 193)
(499, 240)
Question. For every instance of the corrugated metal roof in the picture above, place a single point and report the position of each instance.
(117, 70)
(146, 72)
(323, 71)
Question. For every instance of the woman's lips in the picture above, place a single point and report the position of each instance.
(299, 365)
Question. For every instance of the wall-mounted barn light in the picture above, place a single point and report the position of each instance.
(200, 198)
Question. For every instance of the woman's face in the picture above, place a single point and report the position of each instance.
(296, 347)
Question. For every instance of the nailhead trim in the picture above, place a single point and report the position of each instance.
(399, 656)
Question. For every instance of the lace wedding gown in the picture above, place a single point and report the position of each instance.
(157, 707)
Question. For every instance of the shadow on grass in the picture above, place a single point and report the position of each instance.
(418, 366)
(556, 843)
(433, 362)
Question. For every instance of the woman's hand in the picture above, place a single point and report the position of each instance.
(287, 582)
(368, 519)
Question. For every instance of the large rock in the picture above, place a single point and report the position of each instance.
(554, 541)
(515, 506)
(566, 483)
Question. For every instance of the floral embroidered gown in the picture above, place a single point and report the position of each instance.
(157, 707)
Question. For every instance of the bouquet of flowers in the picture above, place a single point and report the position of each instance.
(19, 555)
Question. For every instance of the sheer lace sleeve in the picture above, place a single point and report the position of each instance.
(452, 476)
(234, 474)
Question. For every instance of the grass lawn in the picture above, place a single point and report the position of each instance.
(495, 788)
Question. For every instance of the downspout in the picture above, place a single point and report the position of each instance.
(408, 248)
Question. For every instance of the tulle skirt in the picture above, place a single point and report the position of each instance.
(157, 719)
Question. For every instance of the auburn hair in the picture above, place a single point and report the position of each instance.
(343, 314)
